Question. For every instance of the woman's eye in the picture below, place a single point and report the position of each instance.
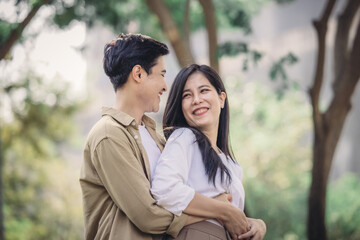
(186, 95)
(204, 90)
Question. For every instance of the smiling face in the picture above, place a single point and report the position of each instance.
(201, 103)
(153, 86)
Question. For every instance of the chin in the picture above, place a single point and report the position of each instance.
(155, 110)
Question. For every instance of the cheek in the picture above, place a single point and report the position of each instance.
(184, 109)
(217, 107)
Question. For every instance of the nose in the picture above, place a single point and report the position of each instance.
(197, 99)
(164, 87)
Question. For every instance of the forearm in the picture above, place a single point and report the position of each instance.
(231, 217)
(206, 207)
(194, 219)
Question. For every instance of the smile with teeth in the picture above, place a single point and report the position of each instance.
(200, 111)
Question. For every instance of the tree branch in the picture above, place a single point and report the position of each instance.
(183, 54)
(210, 22)
(355, 55)
(187, 23)
(341, 103)
(342, 38)
(321, 29)
(349, 79)
(16, 33)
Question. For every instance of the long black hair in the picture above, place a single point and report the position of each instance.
(174, 118)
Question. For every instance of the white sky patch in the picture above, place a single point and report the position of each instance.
(57, 53)
(8, 10)
(53, 54)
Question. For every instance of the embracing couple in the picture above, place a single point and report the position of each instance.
(135, 186)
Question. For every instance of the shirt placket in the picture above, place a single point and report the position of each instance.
(134, 131)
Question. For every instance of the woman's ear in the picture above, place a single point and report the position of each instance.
(136, 73)
(222, 97)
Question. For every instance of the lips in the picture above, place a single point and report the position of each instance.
(200, 111)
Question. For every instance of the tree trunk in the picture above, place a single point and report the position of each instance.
(210, 23)
(329, 125)
(186, 23)
(323, 152)
(16, 33)
(171, 31)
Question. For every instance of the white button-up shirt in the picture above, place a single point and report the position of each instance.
(180, 172)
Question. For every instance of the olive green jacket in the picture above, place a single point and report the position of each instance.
(115, 183)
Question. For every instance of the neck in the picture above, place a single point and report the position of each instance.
(212, 136)
(127, 103)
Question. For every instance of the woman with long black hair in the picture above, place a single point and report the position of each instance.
(197, 160)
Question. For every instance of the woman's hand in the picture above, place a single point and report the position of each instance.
(232, 218)
(224, 197)
(235, 221)
(238, 223)
(257, 230)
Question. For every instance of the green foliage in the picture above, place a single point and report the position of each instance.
(271, 138)
(278, 69)
(278, 72)
(118, 14)
(284, 1)
(233, 14)
(239, 48)
(38, 122)
(5, 30)
(65, 16)
(343, 208)
(232, 49)
(113, 13)
(273, 148)
(196, 15)
(236, 13)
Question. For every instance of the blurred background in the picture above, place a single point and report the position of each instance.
(52, 87)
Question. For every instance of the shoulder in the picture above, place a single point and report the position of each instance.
(181, 137)
(105, 128)
(182, 134)
(236, 165)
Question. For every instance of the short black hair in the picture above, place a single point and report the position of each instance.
(128, 50)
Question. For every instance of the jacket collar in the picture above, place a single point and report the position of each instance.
(125, 119)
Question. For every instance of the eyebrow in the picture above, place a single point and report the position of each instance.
(201, 86)
(163, 71)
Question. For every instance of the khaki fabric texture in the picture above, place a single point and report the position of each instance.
(202, 231)
(115, 183)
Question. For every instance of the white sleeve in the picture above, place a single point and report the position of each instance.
(168, 184)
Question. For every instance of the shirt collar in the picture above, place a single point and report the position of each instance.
(126, 119)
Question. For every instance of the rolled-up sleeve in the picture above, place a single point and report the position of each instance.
(171, 175)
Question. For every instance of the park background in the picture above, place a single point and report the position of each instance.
(52, 88)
